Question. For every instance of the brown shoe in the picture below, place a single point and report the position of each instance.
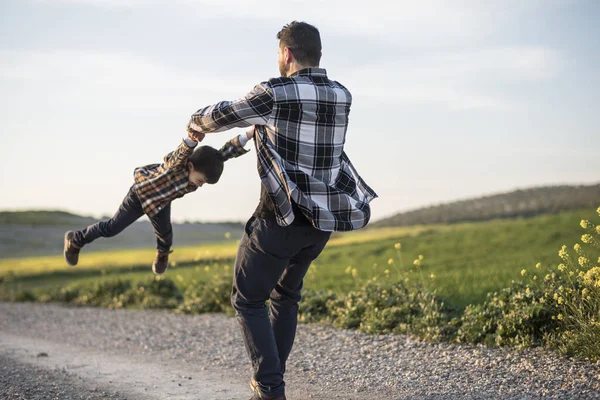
(257, 396)
(71, 250)
(161, 262)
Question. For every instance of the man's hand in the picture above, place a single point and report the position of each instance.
(192, 134)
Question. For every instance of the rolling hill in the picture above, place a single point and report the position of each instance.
(40, 233)
(518, 203)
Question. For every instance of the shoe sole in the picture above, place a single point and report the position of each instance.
(157, 272)
(254, 386)
(66, 246)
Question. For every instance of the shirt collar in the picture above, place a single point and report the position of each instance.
(314, 71)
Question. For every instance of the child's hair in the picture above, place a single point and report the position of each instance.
(209, 161)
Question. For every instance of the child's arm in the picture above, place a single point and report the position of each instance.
(235, 147)
(178, 157)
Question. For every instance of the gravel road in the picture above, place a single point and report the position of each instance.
(122, 354)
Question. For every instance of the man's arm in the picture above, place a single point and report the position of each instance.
(253, 109)
(178, 157)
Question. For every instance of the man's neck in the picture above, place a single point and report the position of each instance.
(295, 67)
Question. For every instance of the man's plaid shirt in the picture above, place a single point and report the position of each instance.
(300, 126)
(158, 184)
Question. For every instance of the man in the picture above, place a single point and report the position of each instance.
(309, 189)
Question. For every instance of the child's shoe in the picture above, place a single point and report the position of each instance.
(71, 250)
(161, 262)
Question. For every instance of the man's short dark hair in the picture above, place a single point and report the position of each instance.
(208, 161)
(303, 40)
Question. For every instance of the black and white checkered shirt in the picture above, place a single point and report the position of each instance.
(300, 125)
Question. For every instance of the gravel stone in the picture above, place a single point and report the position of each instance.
(325, 362)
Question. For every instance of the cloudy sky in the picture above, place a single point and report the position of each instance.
(452, 99)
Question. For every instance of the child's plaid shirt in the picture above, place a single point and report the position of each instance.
(158, 184)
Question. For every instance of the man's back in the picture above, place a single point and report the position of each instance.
(309, 121)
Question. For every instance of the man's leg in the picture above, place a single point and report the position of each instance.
(263, 255)
(129, 212)
(287, 293)
(163, 229)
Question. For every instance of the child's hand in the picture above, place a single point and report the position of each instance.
(197, 136)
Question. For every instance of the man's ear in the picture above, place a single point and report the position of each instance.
(288, 56)
(190, 166)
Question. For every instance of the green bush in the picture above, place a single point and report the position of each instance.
(514, 316)
(210, 297)
(314, 305)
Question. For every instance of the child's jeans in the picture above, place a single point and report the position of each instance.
(129, 212)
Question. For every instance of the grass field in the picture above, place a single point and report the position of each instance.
(467, 260)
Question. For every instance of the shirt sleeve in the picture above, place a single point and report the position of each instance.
(252, 109)
(178, 157)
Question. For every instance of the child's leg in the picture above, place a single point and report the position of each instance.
(129, 212)
(163, 229)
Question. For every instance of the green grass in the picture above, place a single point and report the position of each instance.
(468, 259)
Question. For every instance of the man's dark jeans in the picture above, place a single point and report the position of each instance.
(129, 212)
(271, 263)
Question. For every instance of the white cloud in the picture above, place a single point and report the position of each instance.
(109, 81)
(464, 79)
(408, 23)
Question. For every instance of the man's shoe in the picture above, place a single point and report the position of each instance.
(161, 262)
(254, 387)
(71, 250)
(257, 397)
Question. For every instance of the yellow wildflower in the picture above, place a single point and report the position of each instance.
(354, 273)
(561, 267)
(583, 261)
(523, 272)
(387, 272)
(561, 300)
(206, 269)
(420, 257)
(584, 291)
(598, 229)
(562, 252)
(555, 296)
(577, 248)
(432, 276)
(535, 277)
(584, 223)
(390, 261)
(538, 265)
(592, 277)
(348, 269)
(398, 246)
(559, 316)
(417, 262)
(587, 238)
(598, 210)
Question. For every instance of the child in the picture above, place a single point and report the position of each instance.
(156, 186)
